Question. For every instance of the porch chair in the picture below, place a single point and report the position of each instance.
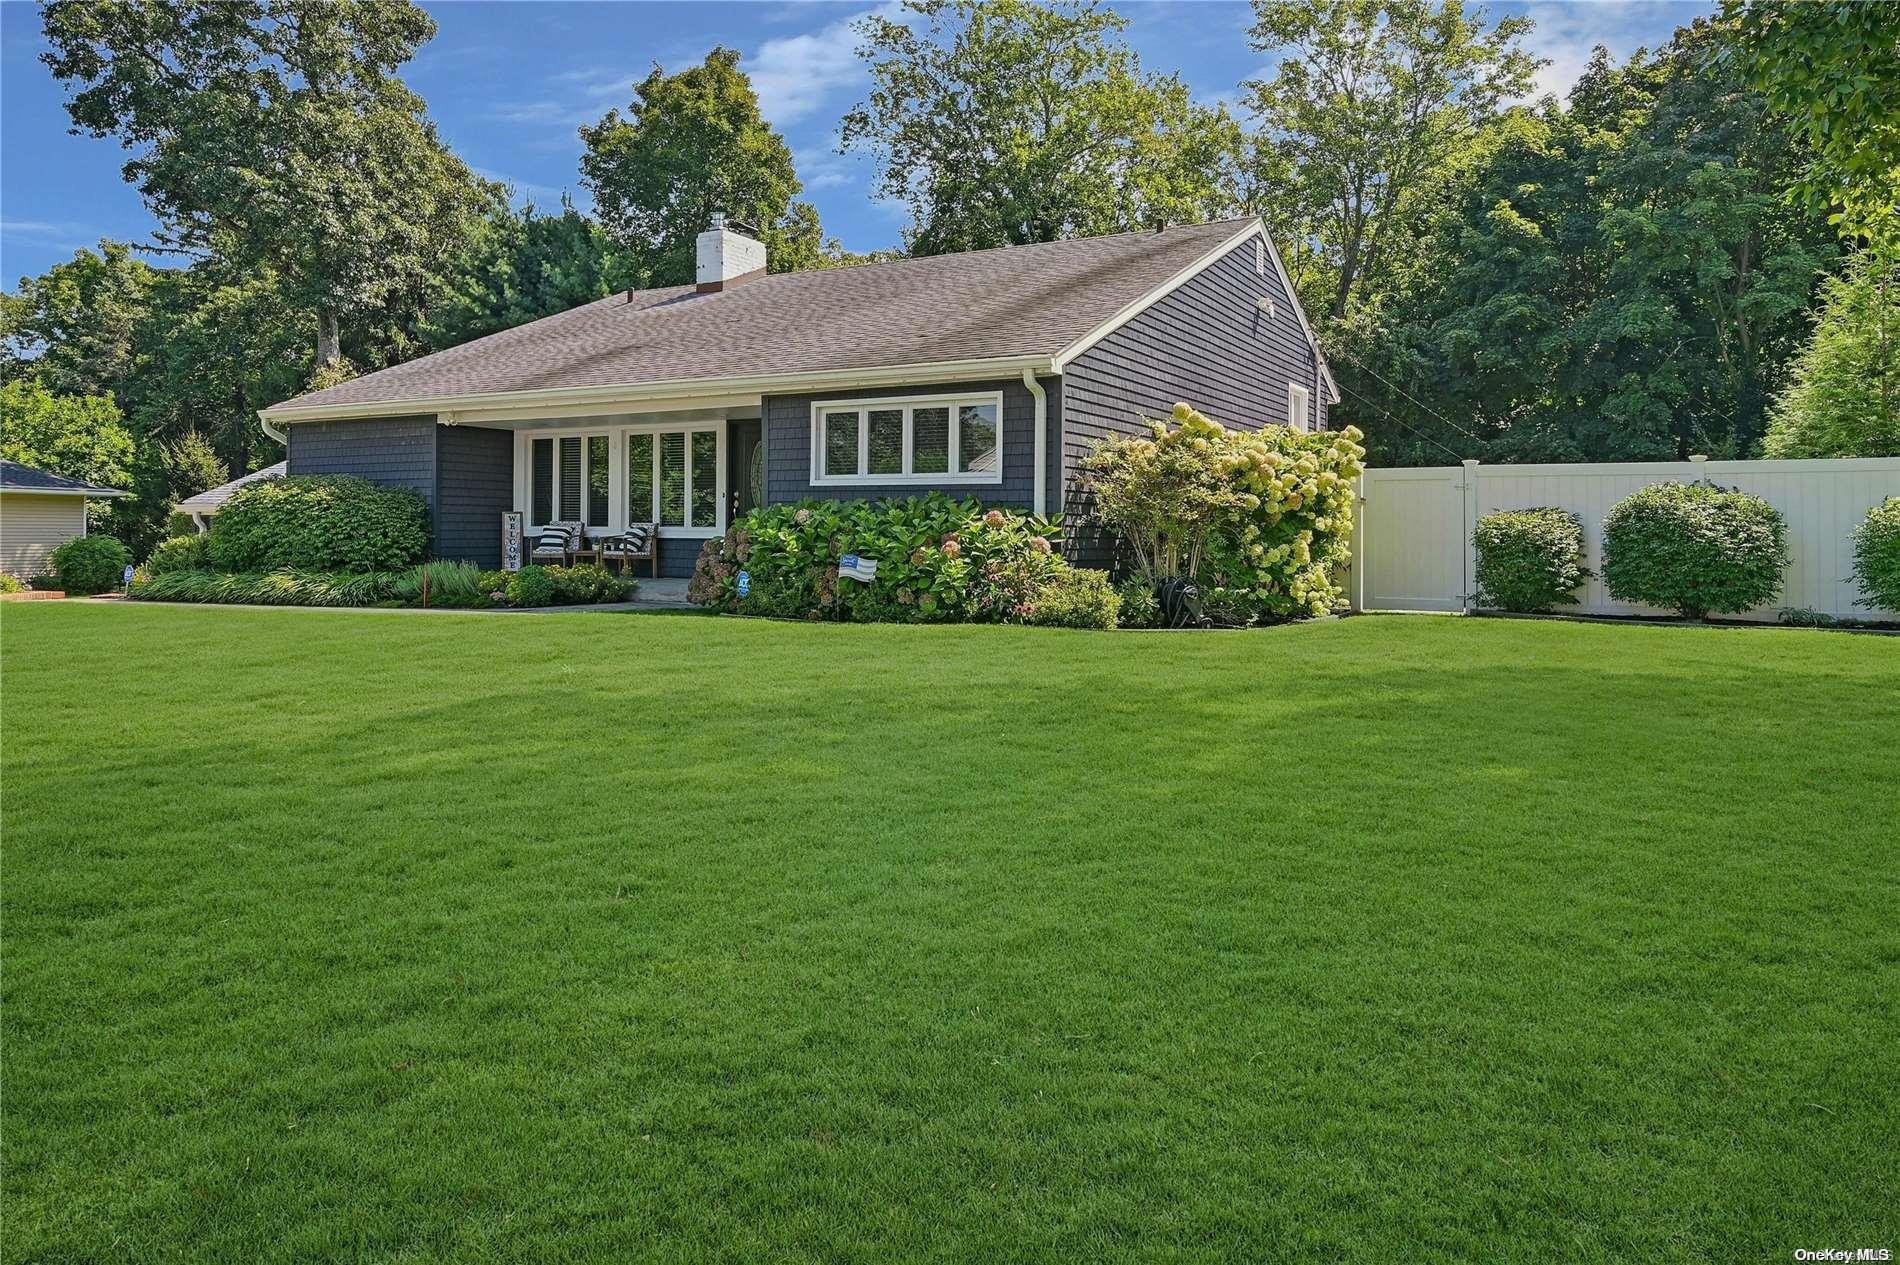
(556, 542)
(639, 543)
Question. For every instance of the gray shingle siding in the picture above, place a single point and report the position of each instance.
(788, 446)
(1207, 344)
(474, 485)
(397, 452)
(466, 474)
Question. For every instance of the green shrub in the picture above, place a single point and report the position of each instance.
(180, 553)
(269, 588)
(320, 523)
(531, 586)
(90, 564)
(1693, 548)
(938, 559)
(11, 583)
(1530, 560)
(588, 584)
(1877, 556)
(492, 582)
(1076, 597)
(1140, 607)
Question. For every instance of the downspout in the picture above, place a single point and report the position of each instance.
(274, 432)
(1042, 441)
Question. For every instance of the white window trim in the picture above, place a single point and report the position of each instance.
(1299, 406)
(908, 403)
(617, 516)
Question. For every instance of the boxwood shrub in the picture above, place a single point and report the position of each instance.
(1694, 548)
(1877, 556)
(180, 553)
(1530, 560)
(1076, 598)
(320, 523)
(90, 564)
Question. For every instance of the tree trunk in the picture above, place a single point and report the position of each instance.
(328, 351)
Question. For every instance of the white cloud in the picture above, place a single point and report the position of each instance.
(1567, 34)
(797, 74)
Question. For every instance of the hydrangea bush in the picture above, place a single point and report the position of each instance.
(1264, 516)
(938, 559)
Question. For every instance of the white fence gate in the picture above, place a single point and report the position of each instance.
(1412, 548)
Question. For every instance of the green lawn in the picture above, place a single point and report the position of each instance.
(380, 937)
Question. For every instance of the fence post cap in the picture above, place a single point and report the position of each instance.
(1698, 457)
(1471, 461)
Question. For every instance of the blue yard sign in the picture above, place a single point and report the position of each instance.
(745, 583)
(128, 575)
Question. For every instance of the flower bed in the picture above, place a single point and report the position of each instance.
(936, 559)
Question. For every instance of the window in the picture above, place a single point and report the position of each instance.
(925, 439)
(569, 479)
(627, 475)
(1299, 407)
(640, 479)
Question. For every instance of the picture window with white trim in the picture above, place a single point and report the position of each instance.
(923, 439)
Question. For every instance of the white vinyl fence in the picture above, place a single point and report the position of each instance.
(1412, 541)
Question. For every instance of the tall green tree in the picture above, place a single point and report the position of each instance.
(79, 436)
(999, 122)
(690, 144)
(1844, 397)
(1623, 280)
(520, 267)
(76, 329)
(1371, 105)
(273, 134)
(1833, 68)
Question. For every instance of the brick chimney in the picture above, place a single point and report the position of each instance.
(726, 257)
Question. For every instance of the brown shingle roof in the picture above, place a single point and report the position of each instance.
(981, 305)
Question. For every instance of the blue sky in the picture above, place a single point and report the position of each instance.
(509, 84)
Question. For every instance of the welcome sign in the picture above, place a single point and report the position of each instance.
(511, 540)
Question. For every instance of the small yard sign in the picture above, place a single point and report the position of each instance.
(852, 567)
(128, 575)
(511, 540)
(745, 583)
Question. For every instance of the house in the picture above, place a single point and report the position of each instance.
(205, 506)
(989, 373)
(39, 512)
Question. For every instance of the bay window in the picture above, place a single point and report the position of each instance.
(920, 439)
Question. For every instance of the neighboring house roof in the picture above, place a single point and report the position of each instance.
(210, 502)
(15, 477)
(995, 311)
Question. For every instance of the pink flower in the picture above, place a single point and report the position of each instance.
(802, 517)
(951, 548)
(994, 518)
(1039, 543)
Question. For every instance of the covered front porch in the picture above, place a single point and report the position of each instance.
(687, 471)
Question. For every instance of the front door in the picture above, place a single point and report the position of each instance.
(745, 468)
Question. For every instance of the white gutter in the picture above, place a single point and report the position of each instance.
(276, 433)
(1042, 440)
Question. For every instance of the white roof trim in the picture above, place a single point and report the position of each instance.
(1181, 278)
(616, 398)
(91, 494)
